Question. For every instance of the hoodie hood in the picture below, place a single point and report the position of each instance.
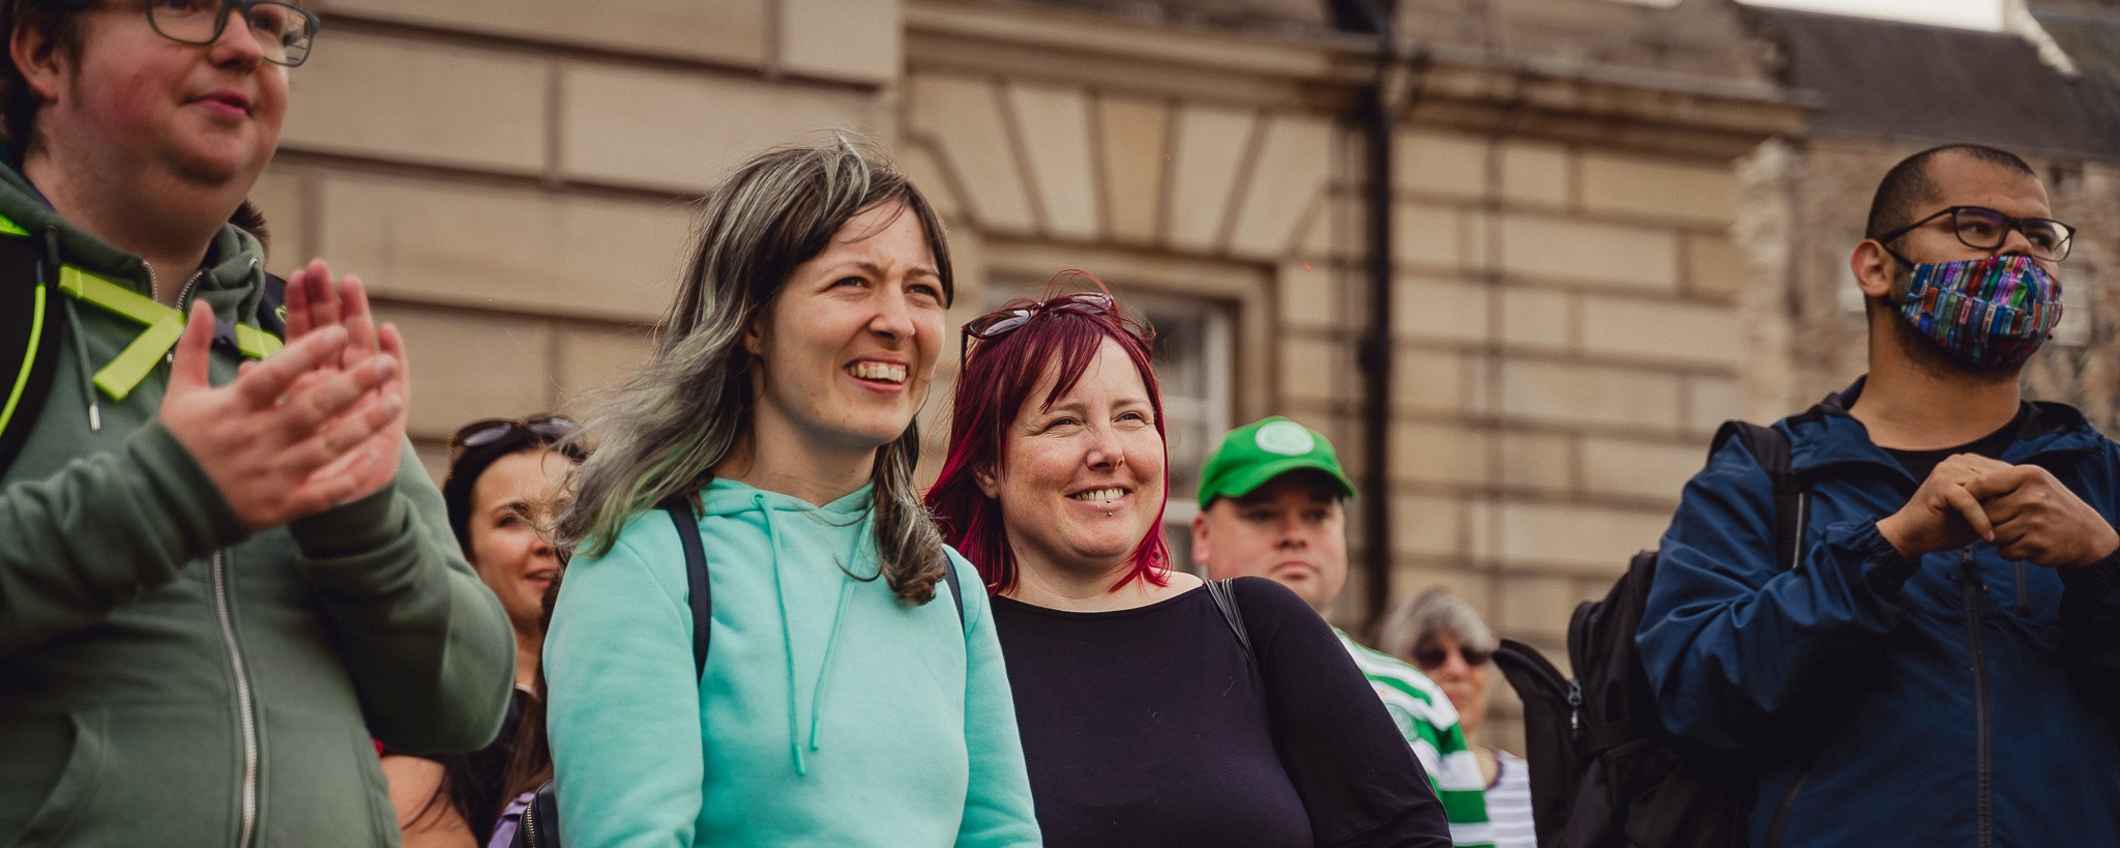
(234, 276)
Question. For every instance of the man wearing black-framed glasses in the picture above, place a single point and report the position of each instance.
(1937, 660)
(223, 572)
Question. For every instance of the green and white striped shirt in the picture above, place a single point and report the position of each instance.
(1430, 724)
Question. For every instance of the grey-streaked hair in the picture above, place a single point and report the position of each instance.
(1429, 614)
(662, 432)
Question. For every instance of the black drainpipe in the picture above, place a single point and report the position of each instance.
(1376, 115)
(1374, 355)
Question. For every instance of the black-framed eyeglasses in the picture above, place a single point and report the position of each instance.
(549, 429)
(284, 31)
(1986, 229)
(1431, 657)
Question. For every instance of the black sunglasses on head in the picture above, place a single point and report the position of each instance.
(543, 428)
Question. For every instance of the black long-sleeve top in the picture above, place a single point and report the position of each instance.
(1149, 726)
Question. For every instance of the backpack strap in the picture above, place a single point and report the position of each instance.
(31, 327)
(949, 575)
(1771, 448)
(701, 595)
(1224, 594)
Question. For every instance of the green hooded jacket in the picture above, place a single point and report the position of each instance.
(167, 678)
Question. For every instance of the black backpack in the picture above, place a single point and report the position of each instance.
(1604, 771)
(540, 825)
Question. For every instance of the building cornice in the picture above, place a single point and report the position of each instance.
(1481, 90)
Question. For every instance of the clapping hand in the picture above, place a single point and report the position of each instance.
(291, 436)
(316, 303)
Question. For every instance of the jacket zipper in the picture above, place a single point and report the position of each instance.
(1985, 801)
(528, 826)
(244, 714)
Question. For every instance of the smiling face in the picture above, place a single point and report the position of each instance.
(512, 508)
(847, 348)
(1081, 481)
(1292, 530)
(204, 114)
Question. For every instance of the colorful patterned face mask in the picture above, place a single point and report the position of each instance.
(1988, 314)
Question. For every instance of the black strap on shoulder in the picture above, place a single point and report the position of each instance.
(1225, 598)
(702, 597)
(1771, 448)
(949, 575)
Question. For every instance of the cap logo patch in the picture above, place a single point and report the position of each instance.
(1286, 438)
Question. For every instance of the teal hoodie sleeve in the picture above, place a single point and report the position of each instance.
(623, 710)
(78, 544)
(997, 804)
(430, 651)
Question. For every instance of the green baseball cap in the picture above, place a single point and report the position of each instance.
(1255, 453)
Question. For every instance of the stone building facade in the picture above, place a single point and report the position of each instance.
(1576, 198)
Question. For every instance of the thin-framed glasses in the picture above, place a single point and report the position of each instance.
(550, 429)
(1986, 229)
(284, 31)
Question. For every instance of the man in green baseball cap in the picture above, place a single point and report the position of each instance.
(1272, 504)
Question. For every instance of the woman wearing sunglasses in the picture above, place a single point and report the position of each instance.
(845, 700)
(1450, 643)
(502, 492)
(1155, 710)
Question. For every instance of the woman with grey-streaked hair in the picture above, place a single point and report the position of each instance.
(1446, 638)
(847, 697)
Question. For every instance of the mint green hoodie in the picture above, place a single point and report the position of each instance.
(831, 712)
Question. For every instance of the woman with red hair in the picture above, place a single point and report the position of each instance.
(1155, 709)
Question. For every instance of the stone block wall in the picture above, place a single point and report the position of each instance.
(512, 179)
(1567, 335)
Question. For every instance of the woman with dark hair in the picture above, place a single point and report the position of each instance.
(1155, 710)
(503, 492)
(844, 701)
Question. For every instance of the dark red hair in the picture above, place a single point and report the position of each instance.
(998, 378)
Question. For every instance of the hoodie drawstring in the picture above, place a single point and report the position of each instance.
(814, 739)
(48, 276)
(787, 637)
(839, 613)
(2024, 606)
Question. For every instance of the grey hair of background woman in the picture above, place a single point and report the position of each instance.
(1429, 614)
(661, 432)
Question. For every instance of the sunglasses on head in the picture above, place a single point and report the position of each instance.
(1016, 316)
(544, 428)
(1430, 657)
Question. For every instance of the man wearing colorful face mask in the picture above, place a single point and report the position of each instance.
(1939, 662)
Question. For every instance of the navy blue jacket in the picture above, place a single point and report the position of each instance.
(1961, 699)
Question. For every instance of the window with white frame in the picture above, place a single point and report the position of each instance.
(1194, 355)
